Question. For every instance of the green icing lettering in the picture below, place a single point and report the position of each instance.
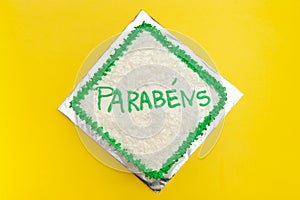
(137, 100)
(200, 97)
(158, 96)
(131, 100)
(184, 97)
(145, 99)
(101, 95)
(174, 81)
(172, 98)
(117, 99)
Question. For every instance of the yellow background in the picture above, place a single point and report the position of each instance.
(255, 45)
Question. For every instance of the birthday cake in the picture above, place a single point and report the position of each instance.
(150, 101)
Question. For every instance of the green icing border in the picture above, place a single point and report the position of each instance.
(106, 68)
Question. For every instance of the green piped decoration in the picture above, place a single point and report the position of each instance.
(106, 68)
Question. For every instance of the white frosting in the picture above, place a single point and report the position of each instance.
(151, 135)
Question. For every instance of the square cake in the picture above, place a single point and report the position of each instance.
(150, 101)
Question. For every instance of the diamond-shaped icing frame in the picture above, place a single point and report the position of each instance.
(105, 69)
